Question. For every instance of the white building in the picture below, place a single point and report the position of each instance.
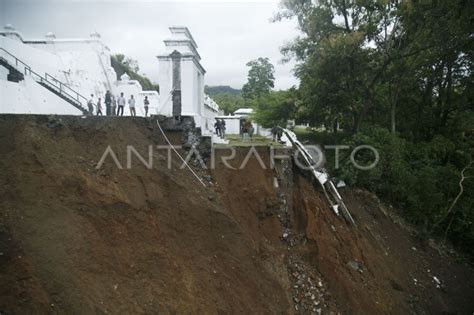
(181, 80)
(57, 75)
(233, 123)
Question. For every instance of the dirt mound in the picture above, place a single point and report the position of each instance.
(76, 239)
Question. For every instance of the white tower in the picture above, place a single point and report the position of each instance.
(181, 76)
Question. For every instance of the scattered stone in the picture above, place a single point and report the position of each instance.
(438, 283)
(396, 286)
(355, 265)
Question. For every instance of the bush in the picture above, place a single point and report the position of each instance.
(422, 179)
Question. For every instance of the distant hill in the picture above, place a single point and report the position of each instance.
(228, 98)
(213, 90)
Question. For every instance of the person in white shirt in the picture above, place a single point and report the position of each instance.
(131, 104)
(91, 104)
(120, 104)
(114, 106)
(99, 107)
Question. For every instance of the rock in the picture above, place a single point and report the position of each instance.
(355, 265)
(396, 286)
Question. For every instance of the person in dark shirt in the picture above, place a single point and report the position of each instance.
(108, 103)
(146, 103)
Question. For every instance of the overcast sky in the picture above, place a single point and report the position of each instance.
(228, 33)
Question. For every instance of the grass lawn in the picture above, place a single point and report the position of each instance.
(236, 141)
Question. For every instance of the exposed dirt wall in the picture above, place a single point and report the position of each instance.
(76, 239)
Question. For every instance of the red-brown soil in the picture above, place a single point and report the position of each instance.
(76, 239)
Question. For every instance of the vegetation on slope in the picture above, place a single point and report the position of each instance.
(397, 76)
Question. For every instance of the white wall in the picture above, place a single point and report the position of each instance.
(165, 79)
(188, 99)
(82, 64)
(232, 124)
(28, 97)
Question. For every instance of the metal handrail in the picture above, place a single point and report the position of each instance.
(55, 83)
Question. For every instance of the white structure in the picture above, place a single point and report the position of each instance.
(81, 65)
(244, 112)
(56, 76)
(133, 87)
(181, 80)
(233, 122)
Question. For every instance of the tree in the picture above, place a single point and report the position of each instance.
(275, 108)
(260, 79)
(122, 64)
(358, 59)
(228, 98)
(228, 102)
(397, 75)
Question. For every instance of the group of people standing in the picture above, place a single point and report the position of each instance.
(246, 130)
(114, 106)
(220, 127)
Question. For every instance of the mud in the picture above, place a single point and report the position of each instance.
(77, 239)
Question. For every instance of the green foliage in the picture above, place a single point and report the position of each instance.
(422, 179)
(228, 98)
(260, 79)
(376, 61)
(228, 102)
(122, 65)
(396, 75)
(275, 108)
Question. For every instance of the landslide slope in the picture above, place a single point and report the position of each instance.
(76, 239)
